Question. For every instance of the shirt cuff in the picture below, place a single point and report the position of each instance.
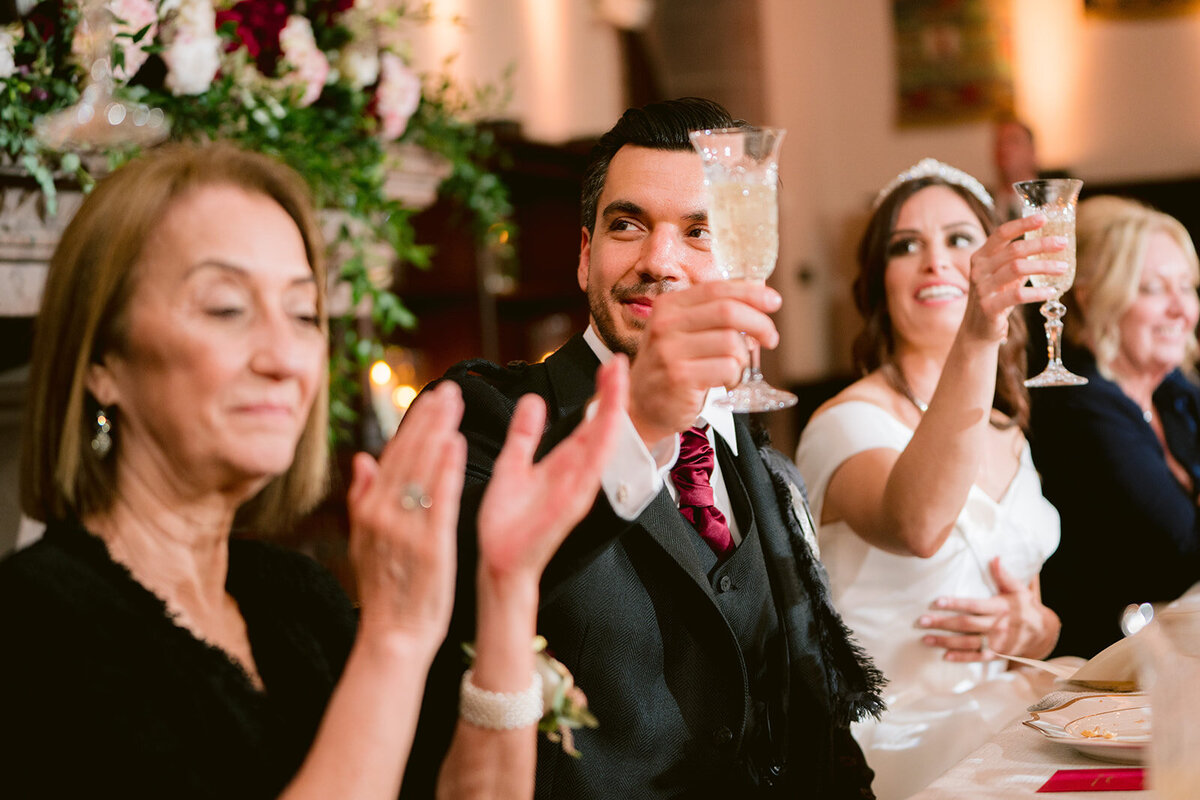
(633, 475)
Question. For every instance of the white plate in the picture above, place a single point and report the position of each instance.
(1083, 723)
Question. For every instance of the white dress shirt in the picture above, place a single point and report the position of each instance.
(635, 473)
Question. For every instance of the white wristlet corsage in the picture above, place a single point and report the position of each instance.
(552, 700)
(500, 711)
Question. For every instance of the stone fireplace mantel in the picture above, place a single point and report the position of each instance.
(28, 235)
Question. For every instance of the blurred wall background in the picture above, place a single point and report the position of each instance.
(1109, 100)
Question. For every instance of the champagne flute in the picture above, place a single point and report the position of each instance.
(741, 173)
(1055, 199)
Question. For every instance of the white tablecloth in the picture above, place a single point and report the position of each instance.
(1015, 763)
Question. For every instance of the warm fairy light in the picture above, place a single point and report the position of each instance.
(402, 396)
(381, 373)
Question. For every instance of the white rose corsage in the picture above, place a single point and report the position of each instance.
(565, 706)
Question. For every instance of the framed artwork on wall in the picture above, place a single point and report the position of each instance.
(1139, 9)
(953, 60)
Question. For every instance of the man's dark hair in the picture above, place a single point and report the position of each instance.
(1008, 118)
(659, 126)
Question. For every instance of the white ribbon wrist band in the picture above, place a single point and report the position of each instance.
(500, 711)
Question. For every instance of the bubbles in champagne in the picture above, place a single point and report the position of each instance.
(743, 217)
(1056, 225)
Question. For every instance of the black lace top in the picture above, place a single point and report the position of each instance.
(103, 695)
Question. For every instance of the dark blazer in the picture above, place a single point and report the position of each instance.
(1130, 531)
(636, 615)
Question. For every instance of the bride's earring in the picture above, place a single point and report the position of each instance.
(102, 438)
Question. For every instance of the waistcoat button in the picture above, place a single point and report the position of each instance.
(722, 736)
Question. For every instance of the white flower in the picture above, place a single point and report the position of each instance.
(360, 64)
(309, 67)
(398, 95)
(7, 45)
(133, 15)
(800, 508)
(193, 54)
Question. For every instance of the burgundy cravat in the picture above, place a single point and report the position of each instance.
(691, 475)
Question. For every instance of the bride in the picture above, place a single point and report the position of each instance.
(931, 518)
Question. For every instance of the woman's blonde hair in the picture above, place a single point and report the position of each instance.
(83, 314)
(1112, 234)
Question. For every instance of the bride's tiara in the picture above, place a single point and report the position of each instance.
(932, 168)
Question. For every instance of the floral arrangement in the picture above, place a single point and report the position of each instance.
(565, 703)
(324, 85)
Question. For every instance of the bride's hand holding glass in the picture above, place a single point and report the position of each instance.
(1000, 269)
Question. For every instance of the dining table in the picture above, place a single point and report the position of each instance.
(1015, 763)
(1019, 759)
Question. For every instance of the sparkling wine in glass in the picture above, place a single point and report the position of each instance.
(741, 173)
(1055, 199)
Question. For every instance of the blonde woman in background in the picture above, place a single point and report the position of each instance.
(1120, 457)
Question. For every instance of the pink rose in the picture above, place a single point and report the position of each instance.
(309, 66)
(133, 15)
(397, 97)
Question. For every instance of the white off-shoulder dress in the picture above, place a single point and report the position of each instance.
(938, 711)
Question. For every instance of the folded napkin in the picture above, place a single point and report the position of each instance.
(1113, 669)
(1105, 779)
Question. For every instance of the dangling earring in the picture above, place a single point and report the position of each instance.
(101, 440)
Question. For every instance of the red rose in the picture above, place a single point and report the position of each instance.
(47, 18)
(259, 23)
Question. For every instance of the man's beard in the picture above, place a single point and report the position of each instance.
(602, 313)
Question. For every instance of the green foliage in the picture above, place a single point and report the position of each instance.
(334, 143)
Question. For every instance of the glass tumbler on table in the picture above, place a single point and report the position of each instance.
(741, 174)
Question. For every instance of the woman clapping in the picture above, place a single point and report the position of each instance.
(178, 392)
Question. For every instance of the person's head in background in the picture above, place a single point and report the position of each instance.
(1015, 151)
(1135, 292)
(644, 215)
(188, 291)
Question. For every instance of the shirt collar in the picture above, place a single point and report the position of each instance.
(720, 418)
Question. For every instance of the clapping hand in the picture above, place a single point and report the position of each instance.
(1013, 622)
(529, 508)
(403, 520)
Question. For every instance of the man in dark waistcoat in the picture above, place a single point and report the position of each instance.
(689, 604)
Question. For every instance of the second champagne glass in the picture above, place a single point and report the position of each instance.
(1055, 199)
(741, 173)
